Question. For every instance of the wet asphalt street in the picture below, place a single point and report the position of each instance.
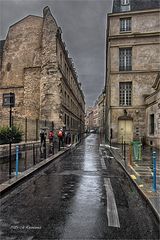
(86, 195)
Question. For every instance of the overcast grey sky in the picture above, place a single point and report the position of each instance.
(83, 24)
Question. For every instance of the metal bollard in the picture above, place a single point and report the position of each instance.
(130, 155)
(17, 160)
(124, 153)
(53, 148)
(154, 171)
(140, 151)
(122, 145)
(45, 150)
(34, 158)
(59, 145)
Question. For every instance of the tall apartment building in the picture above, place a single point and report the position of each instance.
(132, 66)
(36, 67)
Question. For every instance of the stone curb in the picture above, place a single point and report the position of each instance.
(155, 212)
(10, 184)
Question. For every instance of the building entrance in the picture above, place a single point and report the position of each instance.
(125, 131)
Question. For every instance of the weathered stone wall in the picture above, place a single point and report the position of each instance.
(21, 50)
(31, 101)
(138, 115)
(145, 57)
(144, 41)
(18, 110)
(139, 22)
(141, 85)
(30, 70)
(50, 101)
(153, 107)
(21, 47)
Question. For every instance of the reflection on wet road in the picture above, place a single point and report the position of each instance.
(86, 195)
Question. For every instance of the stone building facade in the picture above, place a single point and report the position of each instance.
(36, 67)
(153, 115)
(132, 66)
(89, 119)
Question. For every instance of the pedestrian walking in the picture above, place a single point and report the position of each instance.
(43, 141)
(42, 136)
(61, 138)
(68, 138)
(50, 136)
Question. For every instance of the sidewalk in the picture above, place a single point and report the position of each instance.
(141, 172)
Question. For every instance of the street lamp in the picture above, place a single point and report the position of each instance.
(9, 101)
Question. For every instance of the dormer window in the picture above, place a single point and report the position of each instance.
(125, 5)
(124, 2)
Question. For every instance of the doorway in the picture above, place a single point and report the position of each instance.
(125, 131)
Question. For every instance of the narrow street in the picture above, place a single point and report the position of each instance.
(86, 195)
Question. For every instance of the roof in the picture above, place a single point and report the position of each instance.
(136, 5)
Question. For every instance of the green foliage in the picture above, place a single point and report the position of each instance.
(6, 134)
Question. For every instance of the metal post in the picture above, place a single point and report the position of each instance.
(10, 117)
(124, 153)
(130, 154)
(10, 159)
(122, 145)
(154, 171)
(34, 159)
(17, 160)
(10, 143)
(59, 146)
(53, 147)
(45, 151)
(25, 129)
(37, 130)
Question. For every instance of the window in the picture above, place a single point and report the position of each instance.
(125, 2)
(8, 99)
(125, 93)
(67, 121)
(152, 124)
(125, 59)
(125, 5)
(125, 24)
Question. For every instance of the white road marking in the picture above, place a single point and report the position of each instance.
(112, 213)
(108, 146)
(103, 163)
(108, 156)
